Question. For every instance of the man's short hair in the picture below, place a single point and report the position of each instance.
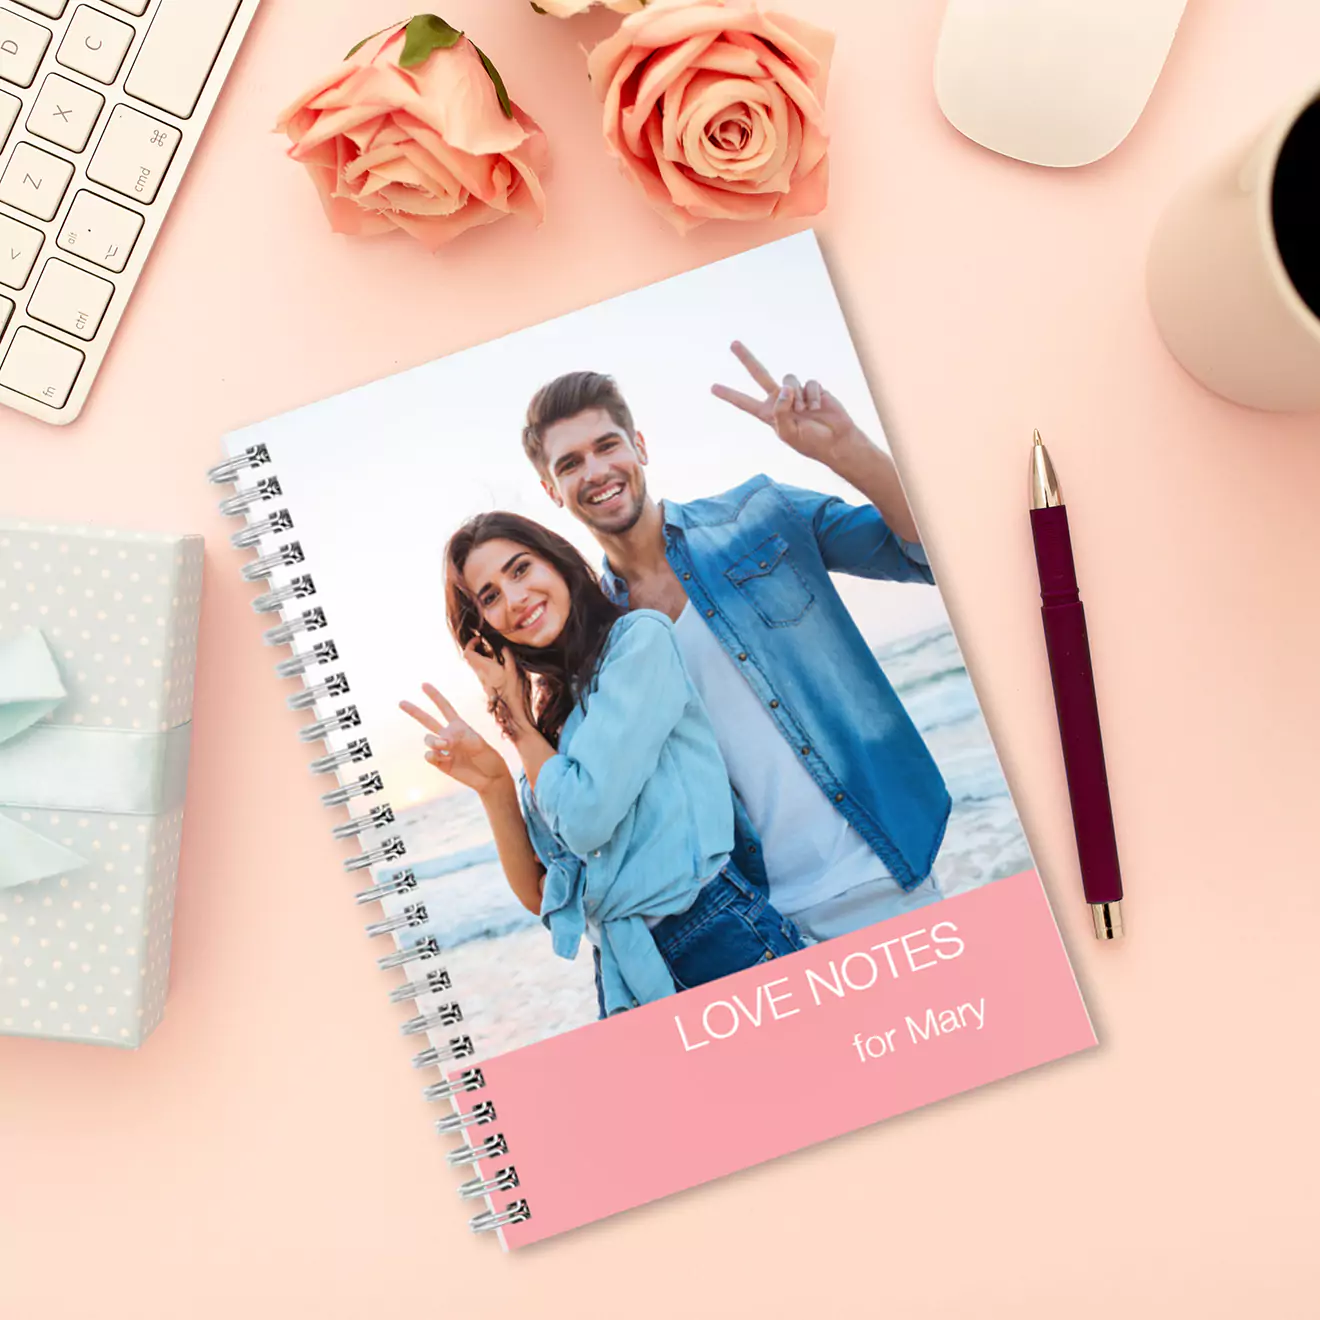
(565, 397)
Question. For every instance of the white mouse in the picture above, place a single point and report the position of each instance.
(1052, 82)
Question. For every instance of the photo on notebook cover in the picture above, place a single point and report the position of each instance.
(686, 790)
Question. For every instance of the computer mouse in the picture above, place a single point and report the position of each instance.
(1051, 82)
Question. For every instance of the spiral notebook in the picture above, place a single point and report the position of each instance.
(681, 832)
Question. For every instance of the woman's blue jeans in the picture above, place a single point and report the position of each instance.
(731, 926)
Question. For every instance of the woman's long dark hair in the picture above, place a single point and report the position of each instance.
(566, 668)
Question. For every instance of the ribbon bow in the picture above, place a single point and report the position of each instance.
(30, 688)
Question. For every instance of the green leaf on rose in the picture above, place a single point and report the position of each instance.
(426, 33)
(501, 91)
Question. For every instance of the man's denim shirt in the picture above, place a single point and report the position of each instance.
(756, 562)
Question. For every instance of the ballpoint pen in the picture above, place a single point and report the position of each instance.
(1074, 698)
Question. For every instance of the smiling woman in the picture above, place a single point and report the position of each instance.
(520, 594)
(513, 585)
(622, 828)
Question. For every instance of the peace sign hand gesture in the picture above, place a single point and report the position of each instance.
(455, 748)
(806, 417)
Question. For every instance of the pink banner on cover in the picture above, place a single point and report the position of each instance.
(868, 1025)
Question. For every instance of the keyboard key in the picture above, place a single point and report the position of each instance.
(65, 112)
(6, 311)
(70, 299)
(133, 154)
(22, 44)
(51, 8)
(34, 181)
(99, 231)
(40, 367)
(9, 108)
(95, 44)
(130, 6)
(177, 53)
(19, 245)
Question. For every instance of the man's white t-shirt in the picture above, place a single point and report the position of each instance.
(811, 853)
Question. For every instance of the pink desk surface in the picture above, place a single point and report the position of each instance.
(268, 1150)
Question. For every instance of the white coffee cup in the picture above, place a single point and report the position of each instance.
(1232, 277)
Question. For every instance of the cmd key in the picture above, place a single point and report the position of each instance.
(177, 53)
(133, 154)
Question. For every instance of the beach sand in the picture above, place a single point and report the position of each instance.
(531, 996)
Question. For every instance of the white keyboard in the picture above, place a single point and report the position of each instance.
(101, 106)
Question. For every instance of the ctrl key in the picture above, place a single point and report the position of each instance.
(40, 367)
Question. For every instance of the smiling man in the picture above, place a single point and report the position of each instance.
(834, 776)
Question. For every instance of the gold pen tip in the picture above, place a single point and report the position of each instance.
(1107, 920)
(1044, 484)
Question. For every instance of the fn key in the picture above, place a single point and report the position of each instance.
(40, 367)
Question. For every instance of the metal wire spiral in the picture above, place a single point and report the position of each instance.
(301, 627)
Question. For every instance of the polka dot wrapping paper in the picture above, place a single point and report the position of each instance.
(84, 954)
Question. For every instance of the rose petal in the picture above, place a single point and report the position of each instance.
(724, 57)
(809, 47)
(439, 179)
(571, 8)
(785, 75)
(456, 97)
(711, 95)
(434, 231)
(701, 200)
(657, 75)
(671, 114)
(809, 193)
(661, 24)
(614, 102)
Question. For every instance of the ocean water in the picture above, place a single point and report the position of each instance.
(515, 991)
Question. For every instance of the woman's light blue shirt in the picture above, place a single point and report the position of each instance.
(635, 812)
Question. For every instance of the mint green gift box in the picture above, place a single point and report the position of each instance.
(98, 643)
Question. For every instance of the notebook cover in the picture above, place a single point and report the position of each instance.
(602, 1115)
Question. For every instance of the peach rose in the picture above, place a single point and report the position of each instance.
(567, 8)
(717, 109)
(415, 131)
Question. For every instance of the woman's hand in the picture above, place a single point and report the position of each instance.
(455, 748)
(507, 690)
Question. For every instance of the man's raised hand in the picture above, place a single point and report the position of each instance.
(806, 417)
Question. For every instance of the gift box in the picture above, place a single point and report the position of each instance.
(98, 643)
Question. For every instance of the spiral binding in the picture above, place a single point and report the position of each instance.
(258, 488)
(402, 883)
(433, 983)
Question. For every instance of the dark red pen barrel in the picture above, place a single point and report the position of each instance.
(1074, 698)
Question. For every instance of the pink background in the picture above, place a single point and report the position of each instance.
(268, 1147)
